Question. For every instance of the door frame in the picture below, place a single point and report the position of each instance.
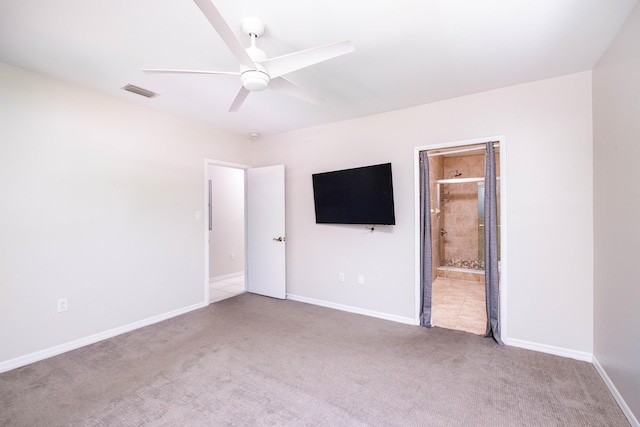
(502, 140)
(207, 163)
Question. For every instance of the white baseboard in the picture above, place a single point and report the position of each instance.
(623, 405)
(17, 362)
(543, 348)
(351, 309)
(550, 349)
(226, 276)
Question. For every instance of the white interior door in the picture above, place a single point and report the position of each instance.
(265, 270)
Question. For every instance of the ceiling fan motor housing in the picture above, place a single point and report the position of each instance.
(254, 80)
(257, 79)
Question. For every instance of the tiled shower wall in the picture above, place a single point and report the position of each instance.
(459, 203)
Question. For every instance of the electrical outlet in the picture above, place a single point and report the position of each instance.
(360, 279)
(198, 215)
(63, 305)
(340, 277)
(232, 256)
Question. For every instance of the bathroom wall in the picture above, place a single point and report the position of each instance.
(460, 219)
(460, 211)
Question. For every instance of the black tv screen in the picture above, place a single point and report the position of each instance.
(355, 196)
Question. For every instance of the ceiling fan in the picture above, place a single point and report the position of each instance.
(257, 72)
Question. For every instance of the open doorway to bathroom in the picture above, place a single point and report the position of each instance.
(226, 235)
(456, 181)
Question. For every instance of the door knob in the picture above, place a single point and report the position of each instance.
(279, 239)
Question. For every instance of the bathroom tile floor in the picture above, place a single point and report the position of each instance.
(226, 288)
(459, 304)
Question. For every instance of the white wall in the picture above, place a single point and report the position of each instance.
(616, 112)
(98, 198)
(227, 234)
(549, 168)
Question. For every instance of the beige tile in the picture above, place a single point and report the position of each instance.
(468, 277)
(472, 326)
(473, 317)
(455, 275)
(458, 288)
(458, 304)
(476, 299)
(435, 301)
(475, 289)
(474, 305)
(449, 310)
(441, 282)
(453, 295)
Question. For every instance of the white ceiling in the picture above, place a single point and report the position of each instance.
(407, 52)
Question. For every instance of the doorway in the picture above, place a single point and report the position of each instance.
(456, 183)
(458, 288)
(261, 250)
(225, 220)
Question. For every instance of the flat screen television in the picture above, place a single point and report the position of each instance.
(355, 196)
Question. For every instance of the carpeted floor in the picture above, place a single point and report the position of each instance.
(252, 360)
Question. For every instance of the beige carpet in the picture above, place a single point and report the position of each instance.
(252, 360)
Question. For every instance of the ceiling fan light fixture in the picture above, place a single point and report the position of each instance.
(254, 80)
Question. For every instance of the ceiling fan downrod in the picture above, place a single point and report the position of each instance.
(256, 79)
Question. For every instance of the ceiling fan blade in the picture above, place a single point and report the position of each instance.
(289, 88)
(169, 71)
(284, 64)
(237, 102)
(225, 32)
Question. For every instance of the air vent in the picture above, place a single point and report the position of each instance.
(140, 91)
